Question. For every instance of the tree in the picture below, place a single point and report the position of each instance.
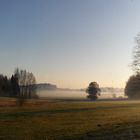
(5, 86)
(15, 89)
(27, 84)
(132, 89)
(136, 55)
(93, 90)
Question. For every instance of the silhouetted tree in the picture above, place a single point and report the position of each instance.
(27, 83)
(14, 86)
(4, 86)
(93, 90)
(132, 89)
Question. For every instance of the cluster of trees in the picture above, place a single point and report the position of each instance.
(9, 86)
(27, 83)
(22, 84)
(132, 88)
(93, 91)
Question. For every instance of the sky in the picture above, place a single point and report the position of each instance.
(69, 42)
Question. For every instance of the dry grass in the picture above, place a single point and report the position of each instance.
(41, 120)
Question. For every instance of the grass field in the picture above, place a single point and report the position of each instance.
(59, 120)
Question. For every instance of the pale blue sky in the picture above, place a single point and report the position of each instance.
(69, 42)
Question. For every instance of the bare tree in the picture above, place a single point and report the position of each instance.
(136, 55)
(27, 84)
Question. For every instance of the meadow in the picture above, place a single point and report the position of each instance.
(73, 120)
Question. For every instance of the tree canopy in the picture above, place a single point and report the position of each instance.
(93, 91)
(132, 89)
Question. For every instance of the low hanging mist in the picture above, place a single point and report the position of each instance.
(77, 94)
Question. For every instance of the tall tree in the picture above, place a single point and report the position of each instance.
(14, 86)
(132, 88)
(5, 86)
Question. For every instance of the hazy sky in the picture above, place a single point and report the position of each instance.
(69, 42)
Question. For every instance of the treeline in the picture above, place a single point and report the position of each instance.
(46, 86)
(20, 84)
(9, 86)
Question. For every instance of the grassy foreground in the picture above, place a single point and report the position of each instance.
(72, 120)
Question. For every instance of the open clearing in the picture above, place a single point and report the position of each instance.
(60, 120)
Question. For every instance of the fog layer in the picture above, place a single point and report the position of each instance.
(76, 94)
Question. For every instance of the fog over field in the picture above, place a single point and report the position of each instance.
(76, 94)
